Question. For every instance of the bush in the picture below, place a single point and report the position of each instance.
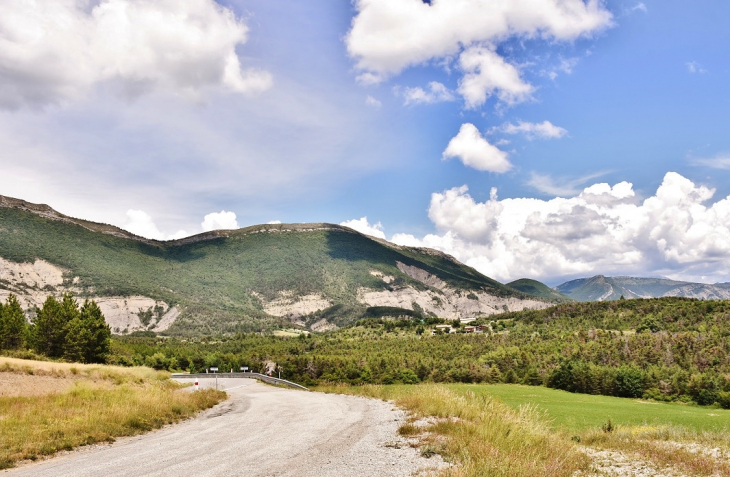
(723, 399)
(629, 382)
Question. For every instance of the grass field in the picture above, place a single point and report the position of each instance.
(92, 403)
(527, 430)
(582, 412)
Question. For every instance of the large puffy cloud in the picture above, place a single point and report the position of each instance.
(604, 229)
(486, 73)
(363, 226)
(222, 220)
(388, 36)
(475, 151)
(50, 51)
(140, 223)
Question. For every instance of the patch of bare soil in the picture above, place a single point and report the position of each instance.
(15, 384)
(618, 464)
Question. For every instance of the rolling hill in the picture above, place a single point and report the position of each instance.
(536, 288)
(318, 276)
(601, 288)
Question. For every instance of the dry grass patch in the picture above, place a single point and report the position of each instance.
(691, 452)
(13, 384)
(480, 435)
(104, 402)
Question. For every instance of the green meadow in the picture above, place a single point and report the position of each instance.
(582, 412)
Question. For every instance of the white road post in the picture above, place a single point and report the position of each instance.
(196, 384)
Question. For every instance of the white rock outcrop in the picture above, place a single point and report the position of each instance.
(33, 282)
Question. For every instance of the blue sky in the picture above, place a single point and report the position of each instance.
(525, 138)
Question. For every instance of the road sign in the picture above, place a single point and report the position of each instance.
(244, 368)
(214, 370)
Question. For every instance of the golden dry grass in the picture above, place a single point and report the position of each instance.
(105, 402)
(691, 452)
(480, 435)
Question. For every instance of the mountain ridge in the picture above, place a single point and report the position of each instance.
(603, 288)
(259, 277)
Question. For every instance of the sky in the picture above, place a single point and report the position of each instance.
(547, 139)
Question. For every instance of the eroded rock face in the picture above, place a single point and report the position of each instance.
(443, 300)
(124, 314)
(39, 274)
(33, 282)
(294, 307)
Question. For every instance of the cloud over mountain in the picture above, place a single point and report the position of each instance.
(608, 228)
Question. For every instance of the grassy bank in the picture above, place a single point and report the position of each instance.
(527, 430)
(103, 402)
(478, 433)
(690, 438)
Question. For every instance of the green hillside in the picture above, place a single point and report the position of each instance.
(535, 288)
(220, 279)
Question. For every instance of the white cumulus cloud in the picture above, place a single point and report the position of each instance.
(52, 51)
(140, 223)
(543, 130)
(363, 226)
(603, 229)
(435, 93)
(222, 220)
(476, 152)
(388, 36)
(486, 73)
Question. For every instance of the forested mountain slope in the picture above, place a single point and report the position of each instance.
(315, 275)
(536, 288)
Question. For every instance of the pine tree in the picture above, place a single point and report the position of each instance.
(77, 338)
(100, 334)
(48, 331)
(88, 337)
(13, 324)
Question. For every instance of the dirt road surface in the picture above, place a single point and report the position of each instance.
(259, 431)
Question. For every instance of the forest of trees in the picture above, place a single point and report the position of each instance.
(59, 329)
(669, 349)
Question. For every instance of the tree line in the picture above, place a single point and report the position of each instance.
(668, 349)
(58, 329)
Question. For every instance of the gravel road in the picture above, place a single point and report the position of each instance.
(259, 431)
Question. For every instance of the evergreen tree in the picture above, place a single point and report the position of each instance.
(99, 343)
(88, 337)
(48, 332)
(13, 325)
(77, 339)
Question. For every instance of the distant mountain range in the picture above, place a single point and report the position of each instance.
(317, 276)
(601, 288)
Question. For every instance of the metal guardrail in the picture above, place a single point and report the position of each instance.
(259, 376)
